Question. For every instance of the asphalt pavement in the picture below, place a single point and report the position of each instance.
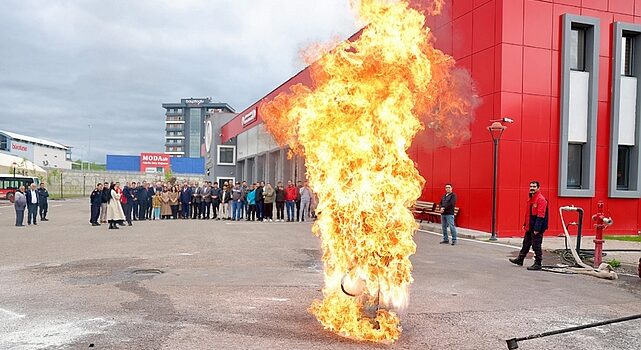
(196, 284)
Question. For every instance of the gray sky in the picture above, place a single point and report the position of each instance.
(67, 64)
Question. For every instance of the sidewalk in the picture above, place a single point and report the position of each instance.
(551, 243)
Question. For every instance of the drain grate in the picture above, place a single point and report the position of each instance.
(147, 271)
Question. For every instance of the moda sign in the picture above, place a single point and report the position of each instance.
(153, 161)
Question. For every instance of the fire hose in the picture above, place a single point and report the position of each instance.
(514, 342)
(604, 270)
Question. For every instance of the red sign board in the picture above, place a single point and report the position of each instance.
(153, 161)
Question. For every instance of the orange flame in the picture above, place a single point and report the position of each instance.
(354, 129)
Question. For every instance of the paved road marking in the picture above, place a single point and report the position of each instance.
(473, 240)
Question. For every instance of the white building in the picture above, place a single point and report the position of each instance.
(41, 152)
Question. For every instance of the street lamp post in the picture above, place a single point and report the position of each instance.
(496, 130)
(89, 151)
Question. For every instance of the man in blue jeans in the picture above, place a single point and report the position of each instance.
(236, 202)
(448, 202)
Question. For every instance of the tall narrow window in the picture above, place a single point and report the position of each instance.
(627, 52)
(575, 165)
(577, 49)
(623, 168)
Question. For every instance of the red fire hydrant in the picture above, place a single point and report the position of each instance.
(601, 223)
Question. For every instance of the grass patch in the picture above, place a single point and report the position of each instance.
(624, 238)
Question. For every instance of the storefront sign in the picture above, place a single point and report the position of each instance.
(22, 150)
(248, 118)
(153, 161)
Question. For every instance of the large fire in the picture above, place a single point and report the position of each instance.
(370, 98)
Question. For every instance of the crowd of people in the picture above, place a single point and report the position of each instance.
(34, 200)
(116, 205)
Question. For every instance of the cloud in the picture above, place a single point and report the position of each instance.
(67, 64)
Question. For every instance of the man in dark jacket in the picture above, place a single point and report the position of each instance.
(299, 185)
(96, 202)
(143, 197)
(150, 195)
(134, 203)
(185, 200)
(448, 203)
(534, 224)
(216, 195)
(196, 201)
(106, 195)
(260, 202)
(127, 203)
(43, 196)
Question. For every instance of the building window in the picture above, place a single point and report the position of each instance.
(194, 132)
(226, 155)
(575, 165)
(577, 49)
(623, 168)
(4, 143)
(627, 52)
(578, 104)
(624, 179)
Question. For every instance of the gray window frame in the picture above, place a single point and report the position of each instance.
(592, 30)
(634, 185)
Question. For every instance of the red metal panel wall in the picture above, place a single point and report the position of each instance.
(512, 48)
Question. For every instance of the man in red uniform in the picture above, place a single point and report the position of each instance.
(535, 224)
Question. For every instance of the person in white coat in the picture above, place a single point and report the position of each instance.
(115, 214)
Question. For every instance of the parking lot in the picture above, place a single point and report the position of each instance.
(199, 284)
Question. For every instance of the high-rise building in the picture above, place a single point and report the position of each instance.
(184, 125)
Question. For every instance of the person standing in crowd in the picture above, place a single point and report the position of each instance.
(215, 200)
(534, 224)
(106, 194)
(19, 204)
(197, 201)
(268, 197)
(32, 204)
(236, 202)
(134, 201)
(157, 205)
(151, 192)
(173, 201)
(291, 193)
(244, 208)
(299, 185)
(165, 206)
(260, 201)
(142, 196)
(43, 196)
(280, 201)
(206, 206)
(125, 200)
(226, 200)
(185, 200)
(448, 203)
(251, 201)
(115, 214)
(96, 203)
(305, 195)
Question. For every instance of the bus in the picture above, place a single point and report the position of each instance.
(9, 184)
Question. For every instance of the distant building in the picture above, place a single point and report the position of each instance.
(184, 129)
(41, 152)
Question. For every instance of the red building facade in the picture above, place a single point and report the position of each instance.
(573, 113)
